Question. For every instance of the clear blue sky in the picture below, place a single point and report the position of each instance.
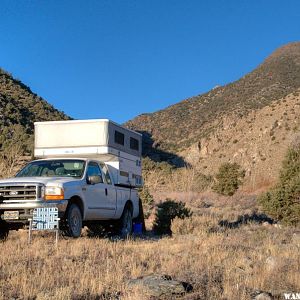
(118, 59)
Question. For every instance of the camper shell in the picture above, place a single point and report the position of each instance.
(101, 139)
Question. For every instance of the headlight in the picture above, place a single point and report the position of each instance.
(54, 193)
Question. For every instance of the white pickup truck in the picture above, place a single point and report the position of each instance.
(90, 170)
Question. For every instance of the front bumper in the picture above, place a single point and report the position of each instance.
(61, 205)
(26, 209)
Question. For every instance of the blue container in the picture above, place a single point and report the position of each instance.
(137, 228)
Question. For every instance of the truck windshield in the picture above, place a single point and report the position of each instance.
(53, 168)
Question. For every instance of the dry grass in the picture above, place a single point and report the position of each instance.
(185, 179)
(219, 262)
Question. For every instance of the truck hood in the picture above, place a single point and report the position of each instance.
(50, 181)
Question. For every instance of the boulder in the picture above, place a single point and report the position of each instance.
(160, 285)
(272, 263)
(296, 238)
(263, 296)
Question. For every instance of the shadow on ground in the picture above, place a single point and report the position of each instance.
(245, 219)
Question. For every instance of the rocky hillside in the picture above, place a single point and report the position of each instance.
(179, 126)
(251, 121)
(19, 109)
(257, 141)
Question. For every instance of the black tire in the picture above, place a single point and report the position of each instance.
(4, 230)
(74, 221)
(126, 222)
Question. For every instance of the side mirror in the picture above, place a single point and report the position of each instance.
(94, 179)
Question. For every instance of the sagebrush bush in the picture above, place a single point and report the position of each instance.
(166, 212)
(290, 165)
(11, 159)
(282, 202)
(228, 179)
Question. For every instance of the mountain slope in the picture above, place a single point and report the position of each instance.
(19, 109)
(257, 142)
(179, 126)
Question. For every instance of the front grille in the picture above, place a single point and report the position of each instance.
(15, 193)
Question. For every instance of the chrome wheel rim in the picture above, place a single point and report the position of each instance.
(75, 223)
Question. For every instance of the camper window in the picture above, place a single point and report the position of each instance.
(134, 144)
(119, 138)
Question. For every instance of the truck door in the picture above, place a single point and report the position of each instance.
(110, 190)
(97, 195)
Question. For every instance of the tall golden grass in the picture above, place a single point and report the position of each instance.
(220, 263)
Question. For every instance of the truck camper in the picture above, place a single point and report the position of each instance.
(89, 169)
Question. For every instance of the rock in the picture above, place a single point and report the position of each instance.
(110, 296)
(160, 285)
(266, 224)
(272, 263)
(296, 239)
(246, 262)
(203, 148)
(263, 296)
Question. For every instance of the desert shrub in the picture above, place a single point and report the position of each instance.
(160, 176)
(290, 165)
(11, 159)
(151, 165)
(282, 201)
(188, 180)
(201, 182)
(145, 196)
(156, 173)
(147, 200)
(228, 179)
(166, 212)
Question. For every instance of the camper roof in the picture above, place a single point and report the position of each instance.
(87, 121)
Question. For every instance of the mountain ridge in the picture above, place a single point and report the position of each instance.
(275, 78)
(19, 109)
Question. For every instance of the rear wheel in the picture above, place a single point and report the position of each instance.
(4, 230)
(126, 222)
(74, 221)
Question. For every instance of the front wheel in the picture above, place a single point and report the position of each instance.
(74, 221)
(126, 222)
(4, 230)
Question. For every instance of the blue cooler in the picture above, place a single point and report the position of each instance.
(137, 228)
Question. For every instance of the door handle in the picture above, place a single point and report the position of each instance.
(105, 191)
